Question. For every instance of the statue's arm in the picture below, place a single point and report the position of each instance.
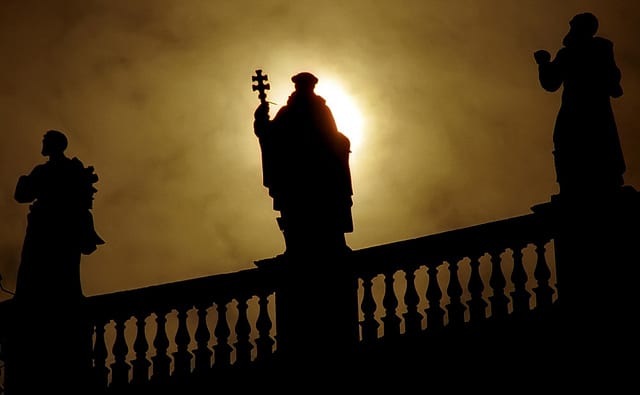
(615, 76)
(549, 72)
(261, 120)
(25, 189)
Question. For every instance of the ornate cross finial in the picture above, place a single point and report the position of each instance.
(261, 87)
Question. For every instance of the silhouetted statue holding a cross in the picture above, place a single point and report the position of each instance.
(305, 162)
(305, 167)
(587, 152)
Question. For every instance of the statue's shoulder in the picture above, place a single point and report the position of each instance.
(602, 40)
(39, 172)
(76, 162)
(602, 43)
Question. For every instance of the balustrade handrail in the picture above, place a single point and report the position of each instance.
(466, 241)
(189, 292)
(436, 247)
(469, 241)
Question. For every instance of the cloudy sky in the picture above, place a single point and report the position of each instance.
(449, 124)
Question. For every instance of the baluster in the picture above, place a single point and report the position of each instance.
(542, 273)
(243, 331)
(140, 374)
(455, 308)
(435, 313)
(161, 361)
(100, 353)
(412, 319)
(264, 324)
(520, 295)
(369, 324)
(222, 348)
(390, 320)
(182, 357)
(120, 367)
(497, 281)
(202, 353)
(477, 304)
(354, 310)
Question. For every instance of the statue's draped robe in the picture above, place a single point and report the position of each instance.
(305, 163)
(52, 340)
(587, 151)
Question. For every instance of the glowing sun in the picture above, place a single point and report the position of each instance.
(345, 111)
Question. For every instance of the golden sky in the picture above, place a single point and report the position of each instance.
(156, 95)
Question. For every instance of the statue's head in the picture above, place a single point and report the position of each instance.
(586, 23)
(304, 81)
(582, 27)
(53, 142)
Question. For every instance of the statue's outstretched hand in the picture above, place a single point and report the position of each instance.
(262, 112)
(261, 119)
(542, 56)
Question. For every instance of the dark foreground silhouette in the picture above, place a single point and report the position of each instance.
(50, 339)
(587, 152)
(305, 164)
(595, 214)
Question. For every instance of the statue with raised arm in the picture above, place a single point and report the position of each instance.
(587, 151)
(305, 166)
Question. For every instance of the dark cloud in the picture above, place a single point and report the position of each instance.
(157, 96)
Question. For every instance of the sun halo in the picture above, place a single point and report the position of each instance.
(345, 111)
